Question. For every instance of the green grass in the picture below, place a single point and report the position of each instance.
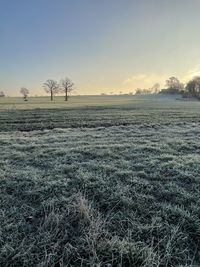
(99, 184)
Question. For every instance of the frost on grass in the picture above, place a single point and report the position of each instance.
(124, 195)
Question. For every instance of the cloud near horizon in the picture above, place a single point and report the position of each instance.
(144, 80)
(191, 73)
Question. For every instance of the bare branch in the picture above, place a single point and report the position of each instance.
(52, 87)
(67, 86)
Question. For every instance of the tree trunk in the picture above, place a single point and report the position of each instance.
(51, 96)
(66, 95)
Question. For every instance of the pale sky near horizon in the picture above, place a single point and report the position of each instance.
(102, 45)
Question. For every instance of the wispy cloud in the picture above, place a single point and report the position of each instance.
(144, 80)
(191, 73)
(139, 77)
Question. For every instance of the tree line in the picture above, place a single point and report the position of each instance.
(190, 89)
(52, 87)
(173, 86)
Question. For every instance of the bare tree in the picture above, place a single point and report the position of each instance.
(25, 92)
(67, 87)
(174, 85)
(138, 91)
(155, 88)
(52, 87)
(193, 88)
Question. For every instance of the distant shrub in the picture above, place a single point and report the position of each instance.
(2, 94)
(143, 91)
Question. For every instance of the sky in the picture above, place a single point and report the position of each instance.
(104, 46)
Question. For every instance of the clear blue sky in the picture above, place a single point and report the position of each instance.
(102, 45)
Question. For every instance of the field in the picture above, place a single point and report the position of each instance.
(13, 103)
(100, 181)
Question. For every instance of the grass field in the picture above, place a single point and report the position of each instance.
(11, 103)
(100, 181)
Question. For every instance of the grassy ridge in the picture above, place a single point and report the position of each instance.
(117, 185)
